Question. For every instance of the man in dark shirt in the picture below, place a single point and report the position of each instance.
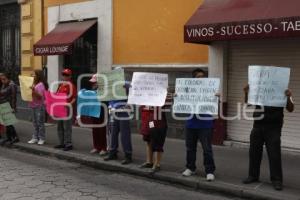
(266, 130)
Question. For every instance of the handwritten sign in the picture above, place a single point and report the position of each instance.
(268, 85)
(56, 104)
(7, 117)
(88, 103)
(149, 89)
(111, 85)
(196, 96)
(26, 83)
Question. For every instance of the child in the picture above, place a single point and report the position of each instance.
(64, 127)
(38, 108)
(154, 130)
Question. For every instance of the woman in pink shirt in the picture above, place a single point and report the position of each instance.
(38, 107)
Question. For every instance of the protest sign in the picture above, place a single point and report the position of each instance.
(196, 96)
(88, 103)
(111, 85)
(26, 83)
(149, 89)
(267, 85)
(56, 104)
(7, 117)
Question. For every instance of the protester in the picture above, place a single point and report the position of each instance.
(154, 130)
(120, 123)
(38, 107)
(268, 122)
(99, 133)
(8, 93)
(64, 127)
(2, 128)
(199, 127)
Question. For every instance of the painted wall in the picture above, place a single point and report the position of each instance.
(52, 3)
(152, 32)
(31, 32)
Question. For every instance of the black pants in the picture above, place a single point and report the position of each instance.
(11, 132)
(205, 137)
(270, 136)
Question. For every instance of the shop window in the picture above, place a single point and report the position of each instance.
(83, 59)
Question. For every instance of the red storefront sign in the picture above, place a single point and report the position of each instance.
(218, 20)
(61, 39)
(53, 50)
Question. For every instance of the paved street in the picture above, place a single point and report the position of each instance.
(26, 177)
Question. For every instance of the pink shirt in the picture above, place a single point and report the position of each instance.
(40, 89)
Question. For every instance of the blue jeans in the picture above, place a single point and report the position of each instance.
(121, 126)
(38, 117)
(205, 137)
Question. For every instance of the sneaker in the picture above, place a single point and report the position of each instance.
(155, 169)
(68, 148)
(210, 177)
(103, 153)
(33, 141)
(146, 165)
(14, 140)
(111, 157)
(126, 161)
(41, 142)
(94, 151)
(188, 172)
(277, 185)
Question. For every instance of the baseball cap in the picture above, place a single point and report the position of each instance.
(93, 79)
(67, 72)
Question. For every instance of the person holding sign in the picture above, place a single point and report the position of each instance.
(64, 127)
(99, 132)
(120, 124)
(268, 122)
(199, 127)
(1, 125)
(38, 107)
(8, 94)
(154, 128)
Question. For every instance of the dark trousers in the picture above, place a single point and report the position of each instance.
(205, 137)
(121, 126)
(99, 135)
(11, 132)
(270, 136)
(64, 131)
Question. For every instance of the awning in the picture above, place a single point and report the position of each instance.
(60, 40)
(218, 20)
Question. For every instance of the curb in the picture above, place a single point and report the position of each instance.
(165, 177)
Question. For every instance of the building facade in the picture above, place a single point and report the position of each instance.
(136, 35)
(10, 38)
(244, 33)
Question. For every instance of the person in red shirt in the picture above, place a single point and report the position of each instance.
(154, 129)
(64, 127)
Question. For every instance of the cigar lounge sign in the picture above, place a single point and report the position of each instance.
(272, 28)
(40, 50)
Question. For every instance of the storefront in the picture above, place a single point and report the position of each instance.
(247, 32)
(10, 38)
(79, 37)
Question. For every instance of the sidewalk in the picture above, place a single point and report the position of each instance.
(231, 162)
